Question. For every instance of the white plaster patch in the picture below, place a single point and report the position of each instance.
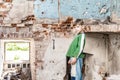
(55, 60)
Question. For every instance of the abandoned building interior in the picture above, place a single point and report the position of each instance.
(36, 34)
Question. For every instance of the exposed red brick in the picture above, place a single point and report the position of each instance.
(8, 0)
(17, 29)
(44, 25)
(13, 25)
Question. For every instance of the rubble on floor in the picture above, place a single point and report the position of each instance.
(113, 77)
(17, 74)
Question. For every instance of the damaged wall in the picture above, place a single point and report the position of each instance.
(46, 9)
(15, 11)
(115, 8)
(54, 60)
(1, 61)
(19, 22)
(96, 60)
(113, 54)
(96, 9)
(19, 10)
(51, 60)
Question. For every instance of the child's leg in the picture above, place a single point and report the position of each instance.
(79, 69)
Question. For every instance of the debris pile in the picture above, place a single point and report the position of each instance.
(114, 77)
(17, 74)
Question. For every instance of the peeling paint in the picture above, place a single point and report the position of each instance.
(46, 9)
(87, 14)
(115, 7)
(113, 57)
(96, 9)
(84, 9)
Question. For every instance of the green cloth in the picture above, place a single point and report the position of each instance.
(75, 46)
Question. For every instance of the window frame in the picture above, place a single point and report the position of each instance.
(17, 41)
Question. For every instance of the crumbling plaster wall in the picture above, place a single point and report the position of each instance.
(96, 9)
(113, 54)
(18, 10)
(54, 65)
(54, 59)
(1, 60)
(39, 45)
(46, 58)
(51, 62)
(78, 9)
(96, 60)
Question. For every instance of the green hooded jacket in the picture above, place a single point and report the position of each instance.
(77, 46)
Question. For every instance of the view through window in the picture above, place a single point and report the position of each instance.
(17, 51)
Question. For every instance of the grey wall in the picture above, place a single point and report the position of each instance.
(95, 61)
(103, 56)
(54, 60)
(1, 60)
(54, 65)
(114, 54)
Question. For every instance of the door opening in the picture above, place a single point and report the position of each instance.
(83, 70)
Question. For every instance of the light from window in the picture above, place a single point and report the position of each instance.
(16, 51)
